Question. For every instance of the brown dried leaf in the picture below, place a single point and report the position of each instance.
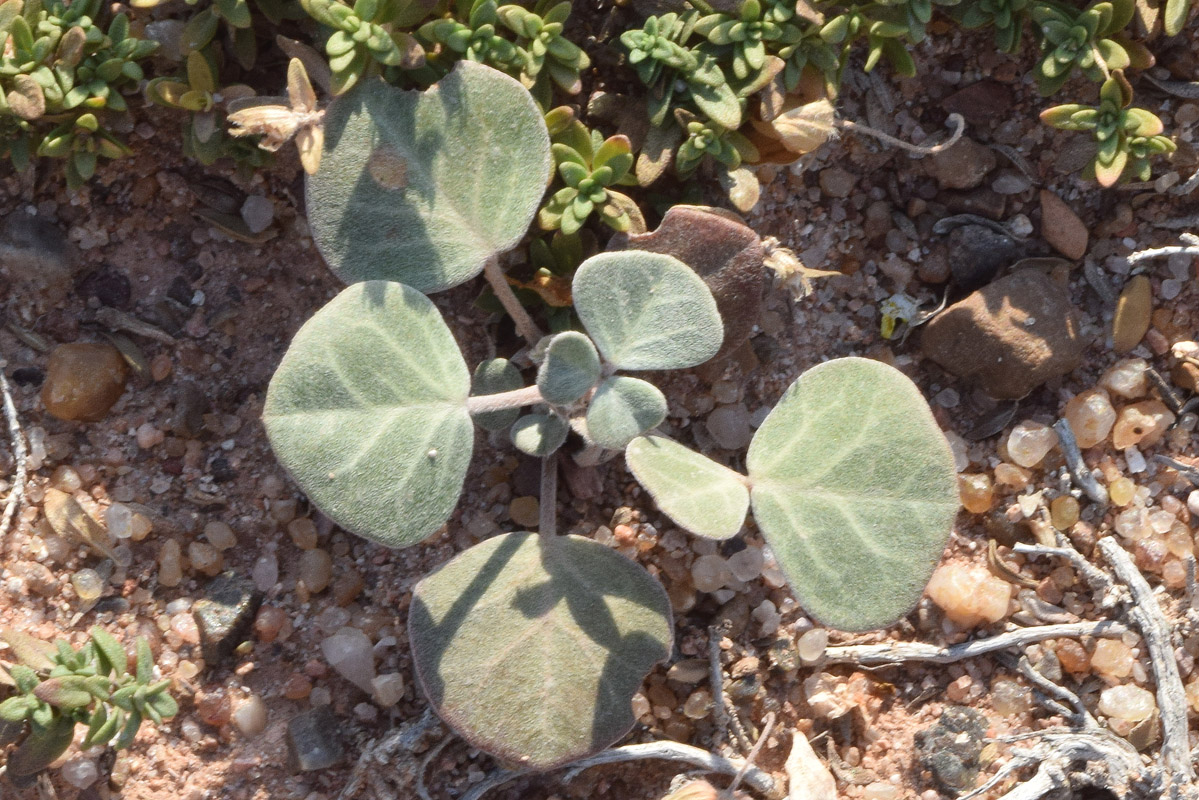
(26, 99)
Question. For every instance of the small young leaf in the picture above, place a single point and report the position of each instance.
(854, 489)
(113, 653)
(647, 311)
(494, 376)
(425, 187)
(145, 661)
(624, 408)
(571, 367)
(1175, 16)
(367, 411)
(31, 652)
(531, 648)
(67, 692)
(539, 435)
(16, 708)
(129, 732)
(698, 494)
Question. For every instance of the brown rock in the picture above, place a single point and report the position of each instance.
(1009, 337)
(1134, 310)
(983, 104)
(84, 380)
(1061, 227)
(962, 166)
(726, 253)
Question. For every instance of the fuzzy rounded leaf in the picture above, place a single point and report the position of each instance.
(532, 647)
(41, 749)
(698, 494)
(571, 367)
(539, 435)
(622, 409)
(647, 310)
(424, 187)
(367, 411)
(494, 376)
(854, 489)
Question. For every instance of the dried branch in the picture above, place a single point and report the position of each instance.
(1109, 762)
(1171, 697)
(1189, 247)
(879, 655)
(1096, 578)
(1078, 468)
(20, 454)
(1080, 716)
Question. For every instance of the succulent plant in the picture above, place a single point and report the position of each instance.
(1007, 17)
(365, 39)
(478, 39)
(590, 166)
(1127, 137)
(1073, 38)
(547, 54)
(750, 33)
(57, 687)
(707, 139)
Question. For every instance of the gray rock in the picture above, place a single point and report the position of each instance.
(224, 615)
(314, 740)
(950, 748)
(977, 254)
(1009, 337)
(37, 256)
(191, 404)
(258, 213)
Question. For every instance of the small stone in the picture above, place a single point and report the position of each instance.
(205, 558)
(836, 182)
(1061, 227)
(1127, 702)
(691, 670)
(297, 687)
(1073, 657)
(220, 535)
(1127, 378)
(316, 570)
(1010, 337)
(746, 564)
(349, 651)
(250, 716)
(1091, 417)
(1009, 183)
(1029, 443)
(710, 573)
(963, 166)
(88, 585)
(951, 747)
(880, 790)
(1063, 512)
(525, 512)
(729, 426)
(969, 595)
(388, 689)
(975, 492)
(258, 213)
(347, 586)
(1112, 659)
(314, 740)
(214, 708)
(302, 531)
(66, 479)
(811, 645)
(1121, 491)
(265, 572)
(170, 564)
(1142, 424)
(1009, 697)
(977, 254)
(80, 772)
(1011, 475)
(1134, 312)
(224, 615)
(84, 380)
(269, 621)
(698, 704)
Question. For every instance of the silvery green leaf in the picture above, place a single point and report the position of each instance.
(367, 411)
(622, 409)
(698, 494)
(539, 434)
(494, 376)
(570, 368)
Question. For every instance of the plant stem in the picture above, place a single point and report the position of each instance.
(20, 455)
(547, 525)
(517, 398)
(956, 120)
(525, 325)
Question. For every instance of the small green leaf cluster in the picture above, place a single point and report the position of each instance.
(60, 73)
(588, 166)
(1126, 137)
(367, 38)
(237, 20)
(1071, 38)
(57, 687)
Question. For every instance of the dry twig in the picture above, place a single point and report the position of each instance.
(20, 454)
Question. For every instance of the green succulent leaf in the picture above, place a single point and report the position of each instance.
(111, 651)
(41, 748)
(538, 435)
(647, 311)
(853, 487)
(1175, 16)
(425, 187)
(368, 412)
(67, 692)
(494, 376)
(571, 367)
(622, 409)
(532, 647)
(698, 494)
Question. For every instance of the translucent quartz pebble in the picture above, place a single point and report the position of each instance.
(1112, 658)
(88, 584)
(1127, 702)
(710, 573)
(812, 644)
(1127, 378)
(969, 595)
(1091, 417)
(975, 492)
(1141, 424)
(349, 651)
(1133, 523)
(746, 564)
(250, 716)
(80, 772)
(1029, 442)
(265, 572)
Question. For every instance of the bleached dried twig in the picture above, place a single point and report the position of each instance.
(20, 455)
(1096, 578)
(1189, 247)
(879, 655)
(1078, 468)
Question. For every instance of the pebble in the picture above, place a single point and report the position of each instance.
(265, 572)
(1009, 697)
(350, 653)
(1010, 183)
(963, 166)
(1134, 311)
(746, 564)
(1141, 424)
(388, 689)
(302, 531)
(1127, 378)
(969, 595)
(526, 512)
(950, 748)
(316, 570)
(88, 585)
(220, 535)
(976, 492)
(1091, 417)
(124, 523)
(170, 564)
(80, 772)
(880, 790)
(698, 704)
(1010, 336)
(224, 615)
(250, 717)
(1112, 659)
(1061, 227)
(258, 213)
(977, 254)
(710, 573)
(729, 426)
(1127, 702)
(837, 182)
(811, 645)
(83, 381)
(1029, 443)
(314, 740)
(205, 558)
(268, 623)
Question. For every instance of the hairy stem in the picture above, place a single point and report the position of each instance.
(548, 523)
(525, 325)
(956, 120)
(517, 398)
(20, 455)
